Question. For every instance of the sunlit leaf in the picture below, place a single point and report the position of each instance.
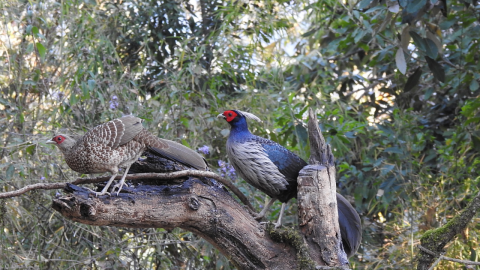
(400, 60)
(41, 49)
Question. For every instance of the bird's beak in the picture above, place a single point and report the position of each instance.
(221, 116)
(50, 142)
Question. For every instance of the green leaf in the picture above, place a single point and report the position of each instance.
(474, 85)
(405, 37)
(413, 80)
(10, 171)
(400, 60)
(91, 85)
(302, 134)
(41, 49)
(31, 149)
(364, 4)
(101, 98)
(436, 68)
(431, 48)
(35, 31)
(310, 33)
(73, 99)
(184, 121)
(476, 143)
(386, 169)
(415, 5)
(428, 93)
(418, 40)
(395, 150)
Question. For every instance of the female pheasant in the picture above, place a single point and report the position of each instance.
(118, 144)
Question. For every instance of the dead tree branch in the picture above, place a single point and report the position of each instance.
(317, 202)
(208, 211)
(135, 177)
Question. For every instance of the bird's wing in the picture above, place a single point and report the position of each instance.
(288, 163)
(350, 225)
(251, 161)
(175, 151)
(116, 132)
(132, 126)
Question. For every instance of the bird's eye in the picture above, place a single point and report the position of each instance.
(229, 114)
(59, 139)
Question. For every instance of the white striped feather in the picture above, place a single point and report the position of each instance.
(253, 165)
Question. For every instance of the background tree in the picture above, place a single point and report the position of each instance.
(397, 84)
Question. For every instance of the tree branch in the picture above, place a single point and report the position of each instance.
(317, 201)
(208, 211)
(136, 177)
(435, 240)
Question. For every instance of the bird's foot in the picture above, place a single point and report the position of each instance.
(258, 216)
(277, 225)
(119, 186)
(99, 193)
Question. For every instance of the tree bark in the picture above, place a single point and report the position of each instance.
(317, 202)
(436, 239)
(208, 211)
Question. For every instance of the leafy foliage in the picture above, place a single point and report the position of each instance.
(395, 85)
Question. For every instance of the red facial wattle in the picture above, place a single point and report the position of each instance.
(229, 115)
(58, 139)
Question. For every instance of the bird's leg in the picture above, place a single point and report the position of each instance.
(279, 222)
(265, 209)
(122, 182)
(104, 190)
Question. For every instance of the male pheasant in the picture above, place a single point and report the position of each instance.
(118, 144)
(273, 169)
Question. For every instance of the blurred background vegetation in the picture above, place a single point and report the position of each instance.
(395, 85)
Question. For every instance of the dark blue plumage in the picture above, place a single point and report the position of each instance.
(273, 169)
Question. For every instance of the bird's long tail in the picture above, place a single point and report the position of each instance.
(350, 226)
(173, 150)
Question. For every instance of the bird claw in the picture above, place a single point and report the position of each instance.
(102, 193)
(257, 217)
(119, 186)
(277, 225)
(99, 193)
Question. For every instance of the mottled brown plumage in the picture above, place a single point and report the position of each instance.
(118, 144)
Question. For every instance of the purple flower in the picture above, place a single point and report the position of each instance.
(204, 149)
(226, 170)
(42, 178)
(114, 102)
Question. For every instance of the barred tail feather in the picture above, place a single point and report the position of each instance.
(175, 151)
